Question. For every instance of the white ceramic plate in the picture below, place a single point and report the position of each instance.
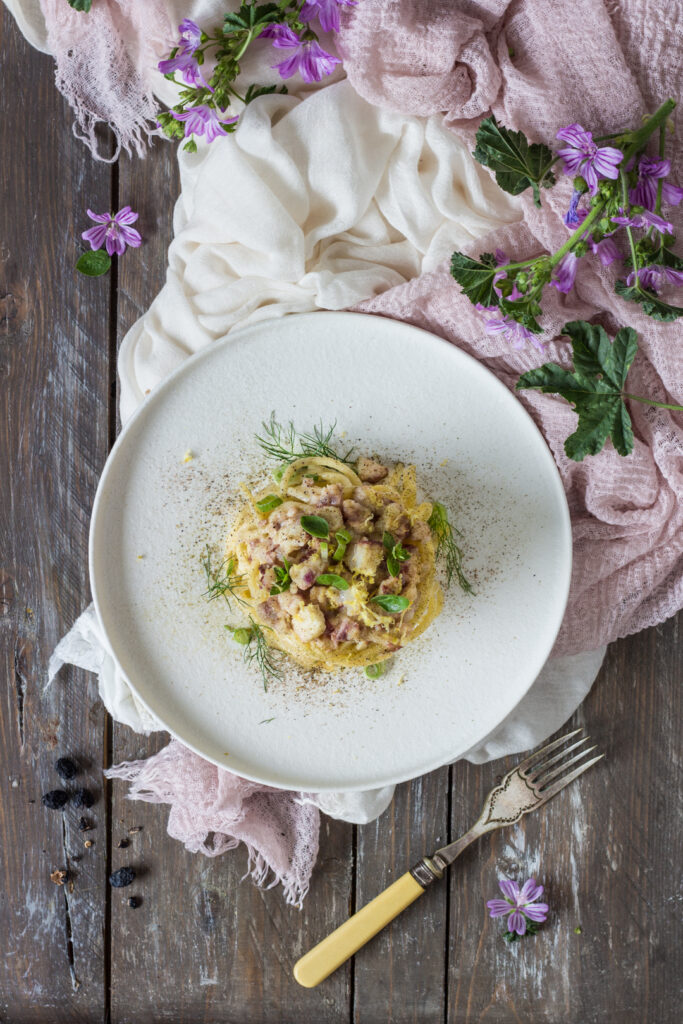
(393, 390)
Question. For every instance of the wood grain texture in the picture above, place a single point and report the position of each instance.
(206, 947)
(53, 414)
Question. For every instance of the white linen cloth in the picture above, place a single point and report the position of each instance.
(318, 201)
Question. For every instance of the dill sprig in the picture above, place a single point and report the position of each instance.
(286, 444)
(223, 581)
(447, 547)
(257, 651)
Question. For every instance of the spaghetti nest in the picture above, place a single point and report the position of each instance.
(338, 562)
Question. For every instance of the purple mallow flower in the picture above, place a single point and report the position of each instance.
(574, 216)
(655, 277)
(646, 219)
(113, 231)
(584, 157)
(517, 334)
(606, 250)
(190, 36)
(520, 905)
(327, 12)
(204, 120)
(186, 65)
(650, 171)
(565, 273)
(308, 57)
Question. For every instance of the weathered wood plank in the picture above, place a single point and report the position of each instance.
(53, 424)
(608, 850)
(400, 975)
(215, 947)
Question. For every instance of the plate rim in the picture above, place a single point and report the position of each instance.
(157, 395)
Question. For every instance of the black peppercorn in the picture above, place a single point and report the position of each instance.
(66, 768)
(122, 877)
(134, 902)
(56, 799)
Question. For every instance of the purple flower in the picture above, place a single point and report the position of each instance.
(606, 250)
(520, 905)
(573, 216)
(565, 273)
(204, 120)
(113, 231)
(327, 12)
(308, 58)
(188, 67)
(190, 36)
(646, 219)
(585, 158)
(517, 334)
(655, 277)
(645, 192)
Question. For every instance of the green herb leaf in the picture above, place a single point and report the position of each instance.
(223, 581)
(475, 279)
(240, 634)
(594, 388)
(447, 547)
(393, 603)
(267, 504)
(330, 579)
(343, 538)
(94, 263)
(283, 578)
(257, 651)
(392, 565)
(265, 721)
(190, 146)
(315, 525)
(324, 550)
(80, 5)
(286, 444)
(651, 304)
(518, 164)
(374, 671)
(254, 91)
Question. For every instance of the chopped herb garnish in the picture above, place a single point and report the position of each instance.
(267, 504)
(446, 546)
(393, 603)
(374, 671)
(330, 579)
(283, 579)
(221, 582)
(256, 650)
(396, 553)
(285, 444)
(343, 538)
(316, 526)
(264, 721)
(324, 550)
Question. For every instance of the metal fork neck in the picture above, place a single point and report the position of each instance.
(430, 869)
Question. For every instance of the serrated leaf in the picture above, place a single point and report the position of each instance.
(254, 91)
(80, 5)
(651, 304)
(594, 387)
(94, 263)
(517, 163)
(475, 279)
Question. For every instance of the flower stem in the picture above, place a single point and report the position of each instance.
(577, 235)
(649, 401)
(640, 137)
(660, 183)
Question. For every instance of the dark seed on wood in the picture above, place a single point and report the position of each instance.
(136, 828)
(134, 902)
(122, 877)
(56, 799)
(123, 843)
(66, 768)
(84, 825)
(83, 798)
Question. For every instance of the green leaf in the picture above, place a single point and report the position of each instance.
(652, 305)
(343, 538)
(316, 526)
(190, 146)
(267, 504)
(330, 579)
(475, 279)
(80, 5)
(249, 16)
(392, 565)
(94, 263)
(393, 603)
(517, 163)
(594, 388)
(254, 91)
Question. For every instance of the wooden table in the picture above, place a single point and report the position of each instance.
(206, 946)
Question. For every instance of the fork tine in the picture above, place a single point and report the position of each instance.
(540, 769)
(546, 794)
(547, 777)
(548, 749)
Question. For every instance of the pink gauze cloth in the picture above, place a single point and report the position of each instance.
(539, 65)
(213, 811)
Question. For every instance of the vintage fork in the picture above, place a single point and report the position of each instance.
(531, 784)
